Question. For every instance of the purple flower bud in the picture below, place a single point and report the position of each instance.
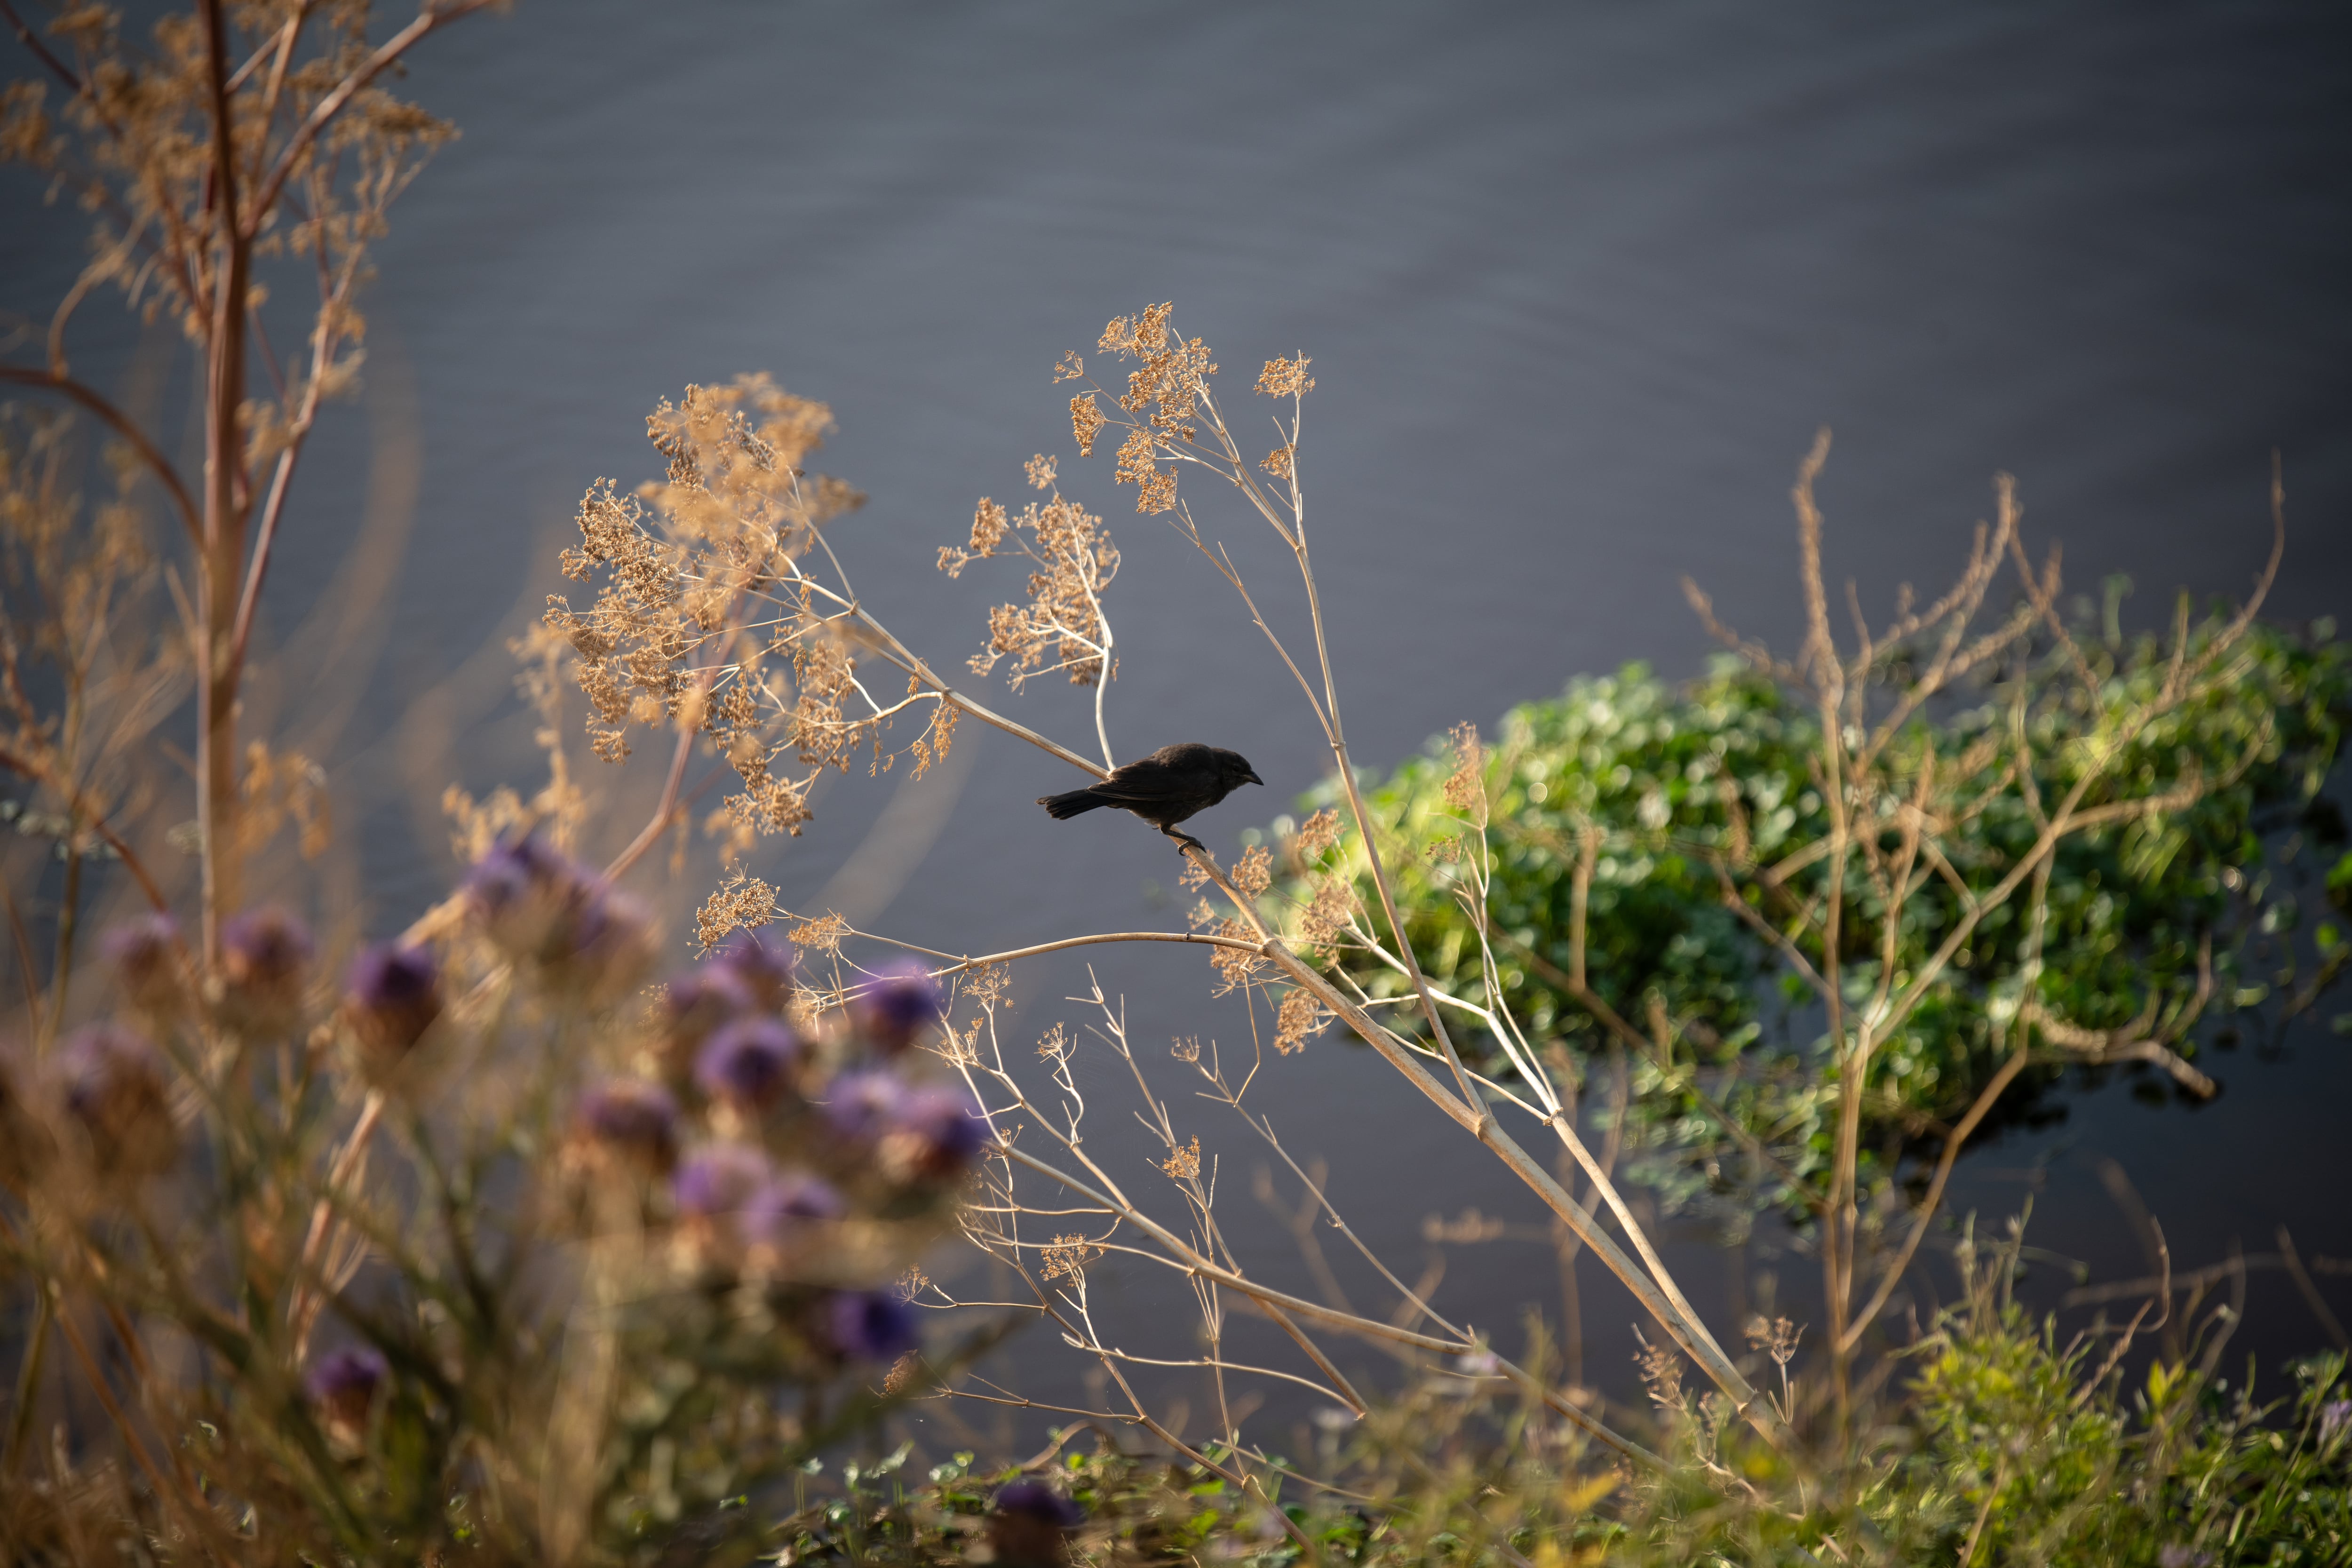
(869, 1325)
(264, 953)
(900, 1002)
(2334, 1417)
(763, 964)
(145, 951)
(633, 1118)
(750, 1063)
(790, 1210)
(863, 1106)
(391, 997)
(527, 895)
(718, 1181)
(1032, 1499)
(114, 1088)
(539, 904)
(343, 1384)
(935, 1134)
(699, 1002)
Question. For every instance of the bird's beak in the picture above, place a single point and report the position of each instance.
(1254, 778)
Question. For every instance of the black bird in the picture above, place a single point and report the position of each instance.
(1163, 788)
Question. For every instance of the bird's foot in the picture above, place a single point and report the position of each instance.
(1186, 841)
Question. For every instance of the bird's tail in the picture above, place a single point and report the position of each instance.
(1061, 808)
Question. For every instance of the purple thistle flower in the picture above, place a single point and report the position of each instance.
(2334, 1417)
(869, 1325)
(718, 1181)
(764, 966)
(526, 895)
(863, 1106)
(699, 1002)
(632, 1118)
(537, 903)
(936, 1134)
(343, 1384)
(114, 1088)
(750, 1063)
(145, 952)
(264, 953)
(390, 995)
(1032, 1500)
(898, 1002)
(789, 1210)
(1030, 1525)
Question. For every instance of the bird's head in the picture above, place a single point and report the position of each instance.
(1233, 769)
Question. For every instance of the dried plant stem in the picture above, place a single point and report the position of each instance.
(2310, 1291)
(664, 813)
(302, 1311)
(1194, 938)
(123, 428)
(1181, 1254)
(1925, 1212)
(90, 818)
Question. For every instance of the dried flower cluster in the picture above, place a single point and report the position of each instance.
(1299, 1018)
(1066, 1258)
(1184, 1164)
(707, 621)
(1061, 629)
(741, 902)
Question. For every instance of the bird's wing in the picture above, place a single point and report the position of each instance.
(1143, 782)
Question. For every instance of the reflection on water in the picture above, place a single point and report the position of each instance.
(1579, 286)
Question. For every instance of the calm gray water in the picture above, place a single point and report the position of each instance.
(1580, 284)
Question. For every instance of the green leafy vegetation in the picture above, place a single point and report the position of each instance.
(1675, 803)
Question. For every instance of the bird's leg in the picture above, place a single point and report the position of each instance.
(1184, 841)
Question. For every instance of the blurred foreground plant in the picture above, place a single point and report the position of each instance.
(482, 1247)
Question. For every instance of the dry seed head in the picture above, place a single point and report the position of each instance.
(1186, 1049)
(1070, 368)
(1235, 965)
(740, 903)
(821, 934)
(1299, 1017)
(1184, 1164)
(1323, 923)
(1067, 1256)
(1087, 420)
(1318, 832)
(1286, 378)
(1662, 1372)
(988, 522)
(1061, 628)
(1254, 873)
(987, 984)
(1778, 1338)
(1040, 469)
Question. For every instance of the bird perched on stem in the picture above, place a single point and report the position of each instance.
(1164, 788)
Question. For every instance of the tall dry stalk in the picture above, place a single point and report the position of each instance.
(229, 153)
